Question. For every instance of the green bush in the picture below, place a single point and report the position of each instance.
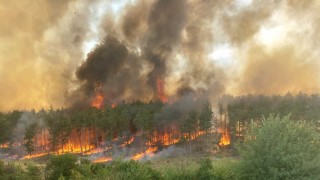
(186, 170)
(225, 168)
(132, 170)
(11, 170)
(280, 149)
(178, 169)
(61, 166)
(205, 171)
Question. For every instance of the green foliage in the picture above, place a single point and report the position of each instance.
(242, 109)
(225, 168)
(190, 122)
(29, 134)
(180, 172)
(12, 170)
(61, 165)
(281, 149)
(8, 122)
(132, 170)
(33, 172)
(205, 171)
(205, 117)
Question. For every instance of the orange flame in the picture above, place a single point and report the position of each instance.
(85, 141)
(171, 135)
(4, 145)
(149, 152)
(225, 138)
(98, 101)
(35, 155)
(128, 142)
(102, 159)
(114, 105)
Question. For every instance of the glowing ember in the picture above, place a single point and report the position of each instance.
(98, 101)
(225, 138)
(161, 92)
(103, 159)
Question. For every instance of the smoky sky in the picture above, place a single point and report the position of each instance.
(56, 53)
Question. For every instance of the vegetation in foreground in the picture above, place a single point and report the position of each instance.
(276, 148)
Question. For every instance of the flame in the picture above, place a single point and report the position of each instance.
(225, 138)
(149, 152)
(128, 142)
(114, 105)
(73, 148)
(102, 159)
(161, 92)
(35, 155)
(4, 145)
(171, 135)
(98, 101)
(84, 142)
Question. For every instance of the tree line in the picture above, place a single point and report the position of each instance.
(104, 124)
(242, 110)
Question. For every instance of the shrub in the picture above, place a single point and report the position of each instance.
(132, 170)
(225, 168)
(61, 166)
(281, 149)
(205, 171)
(11, 170)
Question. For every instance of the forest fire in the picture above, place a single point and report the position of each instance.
(98, 101)
(225, 138)
(171, 135)
(106, 131)
(102, 160)
(35, 155)
(149, 152)
(127, 142)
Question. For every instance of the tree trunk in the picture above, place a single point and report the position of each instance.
(80, 137)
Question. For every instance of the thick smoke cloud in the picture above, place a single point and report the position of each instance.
(113, 69)
(104, 62)
(165, 24)
(43, 59)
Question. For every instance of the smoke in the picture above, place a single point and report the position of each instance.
(277, 72)
(134, 44)
(41, 46)
(112, 68)
(148, 40)
(287, 64)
